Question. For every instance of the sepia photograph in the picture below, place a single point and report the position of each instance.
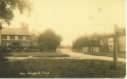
(62, 39)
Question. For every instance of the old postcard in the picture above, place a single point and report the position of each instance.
(62, 39)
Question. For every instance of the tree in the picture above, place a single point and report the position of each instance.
(7, 8)
(49, 41)
(87, 41)
(81, 42)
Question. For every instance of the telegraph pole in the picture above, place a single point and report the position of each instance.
(116, 46)
(0, 32)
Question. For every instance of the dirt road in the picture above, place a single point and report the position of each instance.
(77, 55)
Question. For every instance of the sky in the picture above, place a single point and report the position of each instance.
(73, 18)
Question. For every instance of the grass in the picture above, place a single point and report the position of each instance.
(36, 54)
(61, 68)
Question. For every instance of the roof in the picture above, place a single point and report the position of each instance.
(15, 31)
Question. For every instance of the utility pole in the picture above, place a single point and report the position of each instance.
(0, 32)
(116, 46)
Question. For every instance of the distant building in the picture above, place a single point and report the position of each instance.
(122, 44)
(107, 42)
(104, 44)
(111, 44)
(91, 50)
(92, 45)
(20, 35)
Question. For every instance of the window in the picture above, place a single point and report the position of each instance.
(12, 37)
(26, 37)
(4, 36)
(20, 37)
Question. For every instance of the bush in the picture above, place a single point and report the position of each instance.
(3, 49)
(15, 46)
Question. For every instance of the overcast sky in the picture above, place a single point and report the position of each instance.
(73, 18)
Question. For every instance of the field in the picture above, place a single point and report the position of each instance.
(61, 68)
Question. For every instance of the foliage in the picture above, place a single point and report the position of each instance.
(7, 7)
(61, 68)
(3, 49)
(86, 41)
(15, 46)
(48, 41)
(3, 52)
(81, 42)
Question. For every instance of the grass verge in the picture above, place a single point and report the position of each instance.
(36, 54)
(61, 68)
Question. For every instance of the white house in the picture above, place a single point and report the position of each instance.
(21, 35)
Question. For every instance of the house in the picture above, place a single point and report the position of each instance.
(93, 49)
(20, 35)
(122, 44)
(92, 45)
(107, 42)
(122, 40)
(111, 44)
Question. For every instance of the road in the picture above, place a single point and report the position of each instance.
(76, 55)
(72, 55)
